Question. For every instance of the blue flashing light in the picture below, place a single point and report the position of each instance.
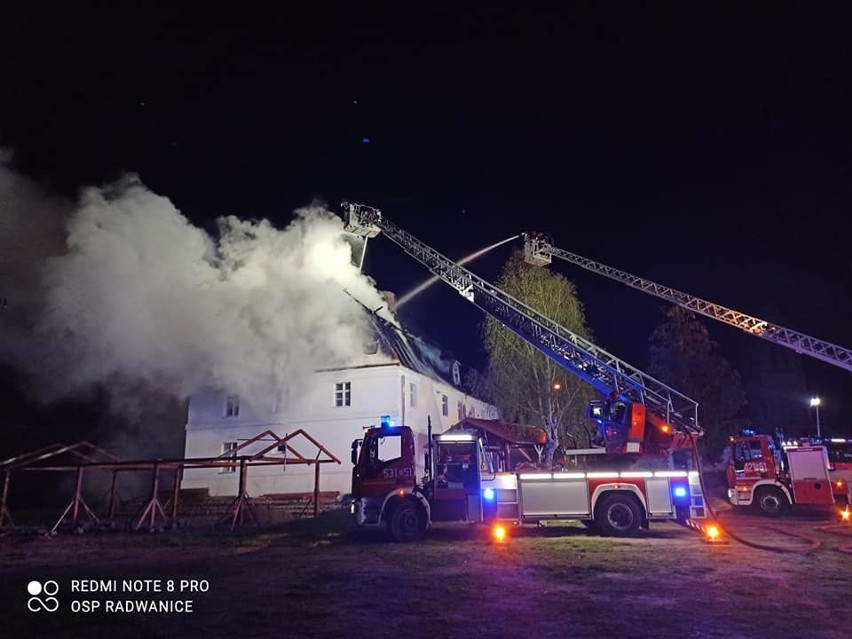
(387, 422)
(365, 140)
(488, 494)
(680, 494)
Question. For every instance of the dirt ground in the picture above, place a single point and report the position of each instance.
(322, 578)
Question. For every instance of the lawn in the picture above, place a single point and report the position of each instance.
(322, 578)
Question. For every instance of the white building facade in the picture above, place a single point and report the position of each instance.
(340, 403)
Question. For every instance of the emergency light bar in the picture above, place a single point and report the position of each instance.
(625, 474)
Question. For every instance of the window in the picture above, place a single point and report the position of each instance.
(382, 453)
(228, 447)
(343, 394)
(412, 394)
(390, 448)
(460, 407)
(840, 453)
(617, 411)
(747, 452)
(232, 406)
(445, 405)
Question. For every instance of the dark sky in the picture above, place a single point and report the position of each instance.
(710, 150)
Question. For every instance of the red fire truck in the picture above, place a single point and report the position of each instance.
(760, 473)
(614, 496)
(771, 477)
(840, 458)
(615, 489)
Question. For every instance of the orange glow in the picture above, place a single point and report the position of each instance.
(844, 514)
(712, 532)
(666, 428)
(499, 532)
(839, 483)
(557, 386)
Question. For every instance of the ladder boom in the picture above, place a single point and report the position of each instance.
(602, 370)
(538, 250)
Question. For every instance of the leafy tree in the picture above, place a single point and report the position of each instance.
(684, 357)
(526, 385)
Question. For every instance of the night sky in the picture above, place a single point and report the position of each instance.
(707, 150)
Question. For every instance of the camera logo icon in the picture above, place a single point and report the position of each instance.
(43, 596)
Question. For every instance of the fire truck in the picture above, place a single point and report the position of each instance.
(615, 489)
(771, 476)
(761, 473)
(840, 458)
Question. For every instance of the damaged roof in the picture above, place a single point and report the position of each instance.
(415, 352)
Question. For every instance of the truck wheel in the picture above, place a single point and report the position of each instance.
(771, 501)
(618, 515)
(407, 522)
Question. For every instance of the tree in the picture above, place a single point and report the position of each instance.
(684, 357)
(525, 384)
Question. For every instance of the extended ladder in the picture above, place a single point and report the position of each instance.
(538, 250)
(604, 371)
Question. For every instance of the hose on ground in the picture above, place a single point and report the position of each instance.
(812, 545)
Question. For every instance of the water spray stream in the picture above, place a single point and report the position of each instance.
(423, 286)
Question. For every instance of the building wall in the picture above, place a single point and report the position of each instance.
(406, 396)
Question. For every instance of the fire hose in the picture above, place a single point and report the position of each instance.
(811, 543)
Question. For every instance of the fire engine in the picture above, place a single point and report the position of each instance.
(761, 473)
(615, 489)
(771, 476)
(840, 458)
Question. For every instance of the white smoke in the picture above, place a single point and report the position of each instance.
(139, 297)
(30, 231)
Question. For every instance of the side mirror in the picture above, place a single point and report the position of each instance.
(355, 445)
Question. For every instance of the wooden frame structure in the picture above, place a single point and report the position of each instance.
(274, 450)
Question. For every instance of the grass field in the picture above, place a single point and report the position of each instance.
(322, 578)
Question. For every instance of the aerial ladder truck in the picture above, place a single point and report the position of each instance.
(629, 483)
(762, 473)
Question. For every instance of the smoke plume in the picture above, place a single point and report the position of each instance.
(119, 291)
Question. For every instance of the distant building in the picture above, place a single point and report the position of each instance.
(400, 380)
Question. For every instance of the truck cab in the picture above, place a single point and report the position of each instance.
(386, 490)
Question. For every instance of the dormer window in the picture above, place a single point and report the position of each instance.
(232, 406)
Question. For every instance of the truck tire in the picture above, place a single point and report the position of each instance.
(407, 522)
(771, 501)
(618, 515)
